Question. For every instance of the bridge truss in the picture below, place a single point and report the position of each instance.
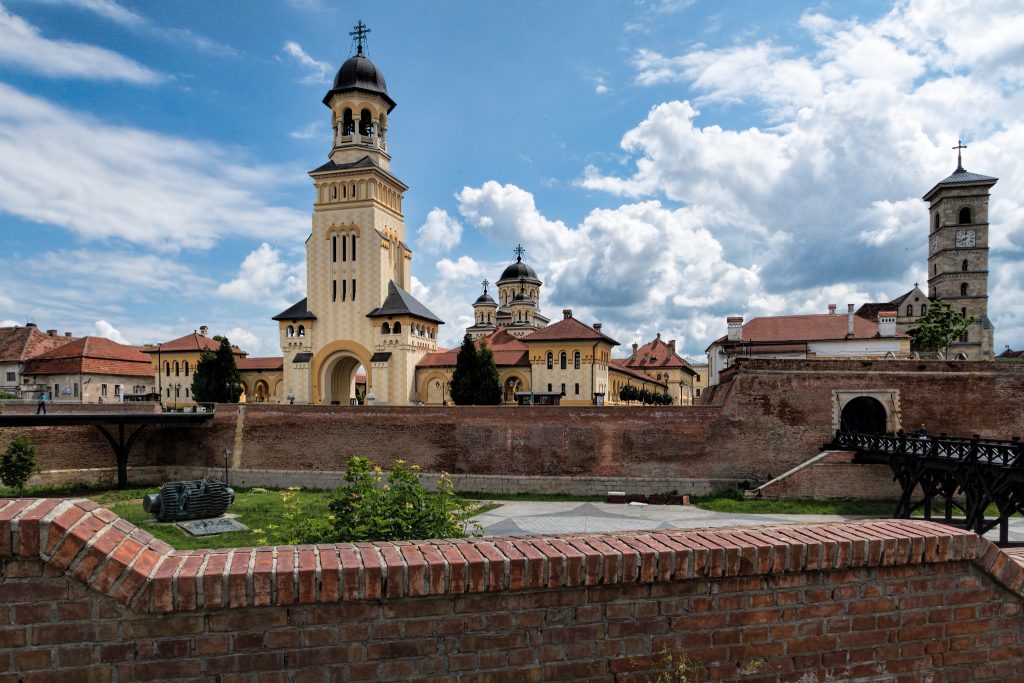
(967, 475)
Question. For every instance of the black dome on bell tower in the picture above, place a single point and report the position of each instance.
(359, 73)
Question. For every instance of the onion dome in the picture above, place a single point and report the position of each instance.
(359, 73)
(485, 300)
(519, 270)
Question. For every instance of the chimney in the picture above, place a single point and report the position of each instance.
(672, 345)
(635, 346)
(52, 333)
(30, 325)
(597, 327)
(67, 334)
(566, 313)
(887, 324)
(735, 324)
(849, 320)
(831, 309)
(203, 329)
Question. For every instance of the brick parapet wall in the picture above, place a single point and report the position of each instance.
(91, 596)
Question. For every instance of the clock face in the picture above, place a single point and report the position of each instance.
(964, 238)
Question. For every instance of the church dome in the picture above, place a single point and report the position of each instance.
(485, 299)
(521, 296)
(517, 270)
(359, 73)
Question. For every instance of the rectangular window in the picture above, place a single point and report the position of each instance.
(334, 249)
(563, 388)
(103, 390)
(353, 289)
(353, 247)
(343, 287)
(549, 388)
(334, 290)
(577, 388)
(117, 390)
(344, 251)
(76, 390)
(10, 376)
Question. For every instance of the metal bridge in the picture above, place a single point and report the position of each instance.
(122, 442)
(968, 475)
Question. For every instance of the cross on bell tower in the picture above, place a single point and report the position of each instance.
(485, 283)
(519, 251)
(359, 35)
(959, 160)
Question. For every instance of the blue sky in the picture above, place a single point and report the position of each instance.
(665, 163)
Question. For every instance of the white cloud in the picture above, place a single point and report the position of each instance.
(9, 323)
(828, 196)
(255, 345)
(104, 329)
(310, 131)
(21, 45)
(317, 71)
(601, 89)
(103, 182)
(264, 278)
(440, 233)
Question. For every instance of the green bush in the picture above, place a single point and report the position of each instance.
(18, 463)
(368, 508)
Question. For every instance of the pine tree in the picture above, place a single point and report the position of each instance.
(216, 378)
(488, 386)
(464, 376)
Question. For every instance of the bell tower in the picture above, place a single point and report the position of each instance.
(958, 253)
(358, 314)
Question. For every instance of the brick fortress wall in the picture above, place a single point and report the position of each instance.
(89, 597)
(767, 417)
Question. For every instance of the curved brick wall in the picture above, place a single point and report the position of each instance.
(90, 596)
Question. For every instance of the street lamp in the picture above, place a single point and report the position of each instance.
(227, 455)
(159, 376)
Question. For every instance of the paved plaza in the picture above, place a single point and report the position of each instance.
(520, 518)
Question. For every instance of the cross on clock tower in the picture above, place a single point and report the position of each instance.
(958, 253)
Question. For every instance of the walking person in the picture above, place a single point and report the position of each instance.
(41, 406)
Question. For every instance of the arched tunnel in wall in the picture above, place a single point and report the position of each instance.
(864, 415)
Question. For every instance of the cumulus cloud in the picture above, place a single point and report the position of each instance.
(440, 233)
(22, 45)
(316, 71)
(827, 196)
(308, 132)
(104, 329)
(103, 181)
(265, 277)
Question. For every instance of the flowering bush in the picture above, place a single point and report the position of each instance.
(369, 507)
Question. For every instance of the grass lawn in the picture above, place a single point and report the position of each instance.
(795, 507)
(262, 510)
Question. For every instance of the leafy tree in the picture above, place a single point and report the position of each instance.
(18, 463)
(939, 327)
(475, 380)
(216, 379)
(366, 508)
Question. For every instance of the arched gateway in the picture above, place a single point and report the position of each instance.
(864, 415)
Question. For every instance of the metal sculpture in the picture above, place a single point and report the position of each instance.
(179, 501)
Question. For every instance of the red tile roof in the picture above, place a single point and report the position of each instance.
(656, 354)
(568, 329)
(617, 364)
(803, 328)
(18, 344)
(261, 363)
(508, 351)
(93, 356)
(190, 342)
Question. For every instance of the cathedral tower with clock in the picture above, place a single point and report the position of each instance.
(958, 254)
(358, 316)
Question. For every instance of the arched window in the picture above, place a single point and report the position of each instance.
(576, 360)
(551, 362)
(397, 328)
(963, 266)
(167, 367)
(385, 328)
(659, 377)
(910, 310)
(177, 369)
(364, 122)
(935, 269)
(963, 312)
(334, 191)
(965, 215)
(924, 308)
(290, 331)
(346, 122)
(186, 368)
(562, 360)
(301, 331)
(936, 221)
(963, 289)
(698, 392)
